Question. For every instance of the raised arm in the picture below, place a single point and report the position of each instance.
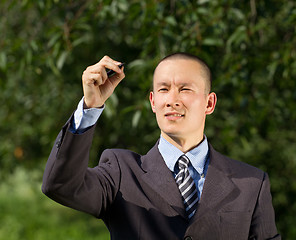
(67, 178)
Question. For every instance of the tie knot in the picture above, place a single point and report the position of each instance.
(183, 162)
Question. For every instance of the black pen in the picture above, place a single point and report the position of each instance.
(110, 72)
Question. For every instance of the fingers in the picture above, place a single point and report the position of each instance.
(94, 78)
(97, 73)
(106, 62)
(94, 75)
(111, 64)
(116, 79)
(97, 86)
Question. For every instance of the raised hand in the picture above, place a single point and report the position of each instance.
(97, 86)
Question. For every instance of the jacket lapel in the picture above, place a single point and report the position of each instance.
(218, 187)
(161, 180)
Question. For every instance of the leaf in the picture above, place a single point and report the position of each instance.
(3, 60)
(82, 40)
(62, 59)
(238, 36)
(54, 39)
(212, 42)
(171, 20)
(136, 119)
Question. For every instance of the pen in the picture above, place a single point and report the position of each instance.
(110, 72)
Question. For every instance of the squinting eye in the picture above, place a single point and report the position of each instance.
(185, 89)
(163, 90)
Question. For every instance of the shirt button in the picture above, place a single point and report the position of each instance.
(188, 238)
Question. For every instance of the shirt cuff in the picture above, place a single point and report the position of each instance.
(85, 118)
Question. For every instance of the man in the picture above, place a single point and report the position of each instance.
(182, 188)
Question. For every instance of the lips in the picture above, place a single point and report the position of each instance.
(173, 115)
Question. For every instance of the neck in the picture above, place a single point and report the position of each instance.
(183, 144)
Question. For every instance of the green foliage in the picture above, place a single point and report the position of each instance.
(249, 45)
(27, 214)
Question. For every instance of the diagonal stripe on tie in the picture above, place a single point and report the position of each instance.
(187, 186)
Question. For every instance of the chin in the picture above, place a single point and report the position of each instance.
(172, 134)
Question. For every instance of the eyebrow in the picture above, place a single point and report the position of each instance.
(182, 84)
(185, 84)
(163, 84)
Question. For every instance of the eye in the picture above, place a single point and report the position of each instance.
(162, 90)
(185, 89)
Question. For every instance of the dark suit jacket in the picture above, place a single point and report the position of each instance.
(137, 197)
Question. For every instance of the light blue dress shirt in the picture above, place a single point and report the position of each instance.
(198, 156)
(84, 118)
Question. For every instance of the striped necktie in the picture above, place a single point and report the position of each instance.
(187, 186)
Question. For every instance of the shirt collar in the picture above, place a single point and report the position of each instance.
(171, 154)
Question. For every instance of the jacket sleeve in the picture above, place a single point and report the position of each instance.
(68, 180)
(263, 219)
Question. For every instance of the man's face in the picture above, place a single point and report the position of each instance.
(179, 99)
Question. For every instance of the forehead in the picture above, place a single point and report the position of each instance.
(182, 71)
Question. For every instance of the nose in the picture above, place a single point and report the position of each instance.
(172, 99)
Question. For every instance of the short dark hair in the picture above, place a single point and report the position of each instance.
(204, 66)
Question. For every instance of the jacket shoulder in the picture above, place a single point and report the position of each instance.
(235, 167)
(121, 155)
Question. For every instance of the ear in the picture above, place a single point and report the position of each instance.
(151, 98)
(211, 103)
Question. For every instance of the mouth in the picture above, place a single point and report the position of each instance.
(173, 116)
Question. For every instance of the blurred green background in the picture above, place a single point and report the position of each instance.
(45, 45)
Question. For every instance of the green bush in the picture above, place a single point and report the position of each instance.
(27, 214)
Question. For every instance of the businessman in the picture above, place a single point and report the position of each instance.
(182, 188)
